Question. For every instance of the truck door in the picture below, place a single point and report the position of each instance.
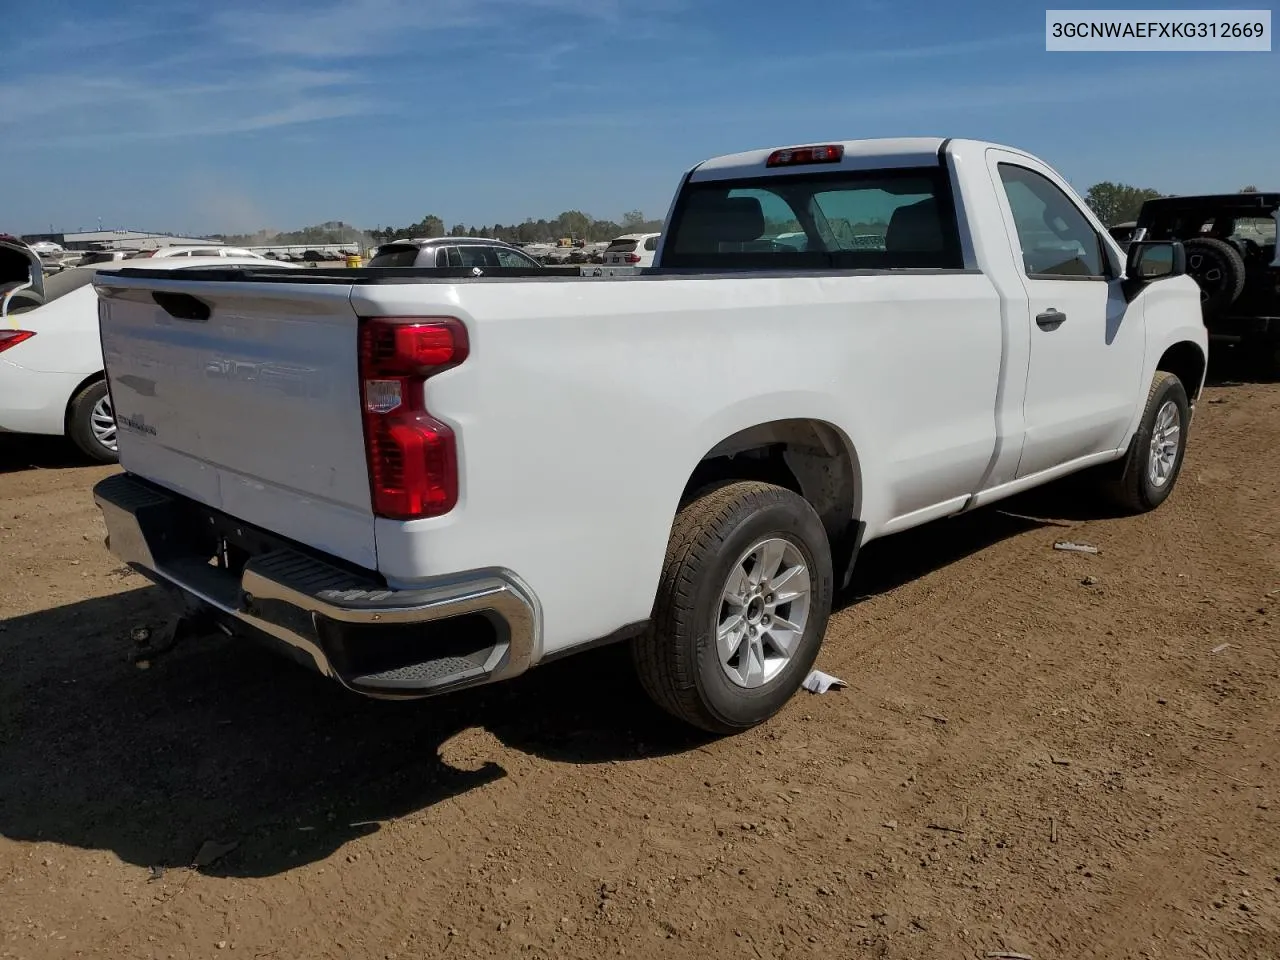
(1086, 346)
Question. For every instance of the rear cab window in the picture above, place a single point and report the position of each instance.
(395, 255)
(900, 218)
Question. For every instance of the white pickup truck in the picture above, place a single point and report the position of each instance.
(419, 481)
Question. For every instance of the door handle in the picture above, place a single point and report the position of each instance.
(1051, 319)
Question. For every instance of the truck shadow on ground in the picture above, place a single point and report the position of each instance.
(18, 452)
(221, 740)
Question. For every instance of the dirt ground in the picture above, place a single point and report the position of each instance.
(1038, 753)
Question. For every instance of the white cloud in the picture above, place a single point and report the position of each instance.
(353, 28)
(87, 111)
(239, 67)
(880, 98)
(342, 29)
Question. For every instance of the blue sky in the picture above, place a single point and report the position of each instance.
(226, 115)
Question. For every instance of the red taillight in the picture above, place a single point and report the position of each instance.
(633, 258)
(11, 338)
(412, 457)
(797, 156)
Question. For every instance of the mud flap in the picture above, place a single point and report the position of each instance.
(844, 555)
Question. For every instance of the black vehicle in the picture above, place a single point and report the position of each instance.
(1230, 240)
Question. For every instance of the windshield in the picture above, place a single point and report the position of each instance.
(60, 284)
(879, 219)
(1260, 230)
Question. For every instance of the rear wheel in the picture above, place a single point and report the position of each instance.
(741, 608)
(91, 423)
(1154, 461)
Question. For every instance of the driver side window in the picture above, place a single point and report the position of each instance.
(1057, 240)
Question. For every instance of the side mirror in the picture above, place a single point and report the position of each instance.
(1151, 260)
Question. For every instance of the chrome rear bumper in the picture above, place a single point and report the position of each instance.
(449, 633)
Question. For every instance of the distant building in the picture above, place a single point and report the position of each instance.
(117, 240)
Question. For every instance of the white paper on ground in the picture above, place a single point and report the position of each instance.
(819, 682)
(1070, 547)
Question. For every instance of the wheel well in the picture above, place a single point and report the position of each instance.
(92, 378)
(810, 457)
(1186, 361)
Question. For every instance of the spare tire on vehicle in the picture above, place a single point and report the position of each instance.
(1219, 270)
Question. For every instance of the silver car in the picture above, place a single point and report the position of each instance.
(446, 252)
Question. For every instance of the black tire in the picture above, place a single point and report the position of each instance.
(677, 659)
(80, 425)
(1134, 490)
(1219, 270)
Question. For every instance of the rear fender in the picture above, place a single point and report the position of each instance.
(709, 439)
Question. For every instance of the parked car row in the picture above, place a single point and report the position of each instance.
(309, 256)
(70, 259)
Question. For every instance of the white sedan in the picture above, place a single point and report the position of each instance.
(51, 370)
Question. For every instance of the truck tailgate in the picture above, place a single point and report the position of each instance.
(245, 397)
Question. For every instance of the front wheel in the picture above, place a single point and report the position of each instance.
(91, 423)
(1155, 456)
(741, 610)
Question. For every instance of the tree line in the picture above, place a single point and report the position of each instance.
(332, 231)
(572, 223)
(1119, 202)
